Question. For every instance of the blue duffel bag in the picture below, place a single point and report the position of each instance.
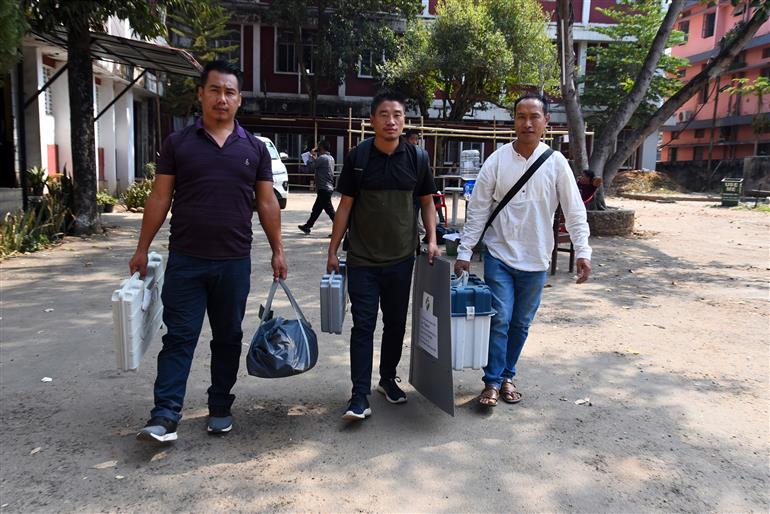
(282, 347)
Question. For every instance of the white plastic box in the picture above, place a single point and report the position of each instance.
(137, 313)
(334, 301)
(471, 319)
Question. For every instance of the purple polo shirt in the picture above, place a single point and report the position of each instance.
(213, 190)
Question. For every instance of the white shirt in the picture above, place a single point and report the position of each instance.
(522, 234)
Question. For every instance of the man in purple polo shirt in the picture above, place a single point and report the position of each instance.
(209, 175)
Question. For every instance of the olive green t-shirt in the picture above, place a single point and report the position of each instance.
(383, 223)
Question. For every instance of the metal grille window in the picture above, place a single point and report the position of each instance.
(285, 62)
(48, 97)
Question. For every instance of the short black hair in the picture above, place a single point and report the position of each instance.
(532, 96)
(323, 145)
(411, 132)
(589, 173)
(387, 95)
(222, 67)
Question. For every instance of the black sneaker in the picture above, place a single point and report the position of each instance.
(304, 228)
(390, 389)
(220, 421)
(158, 430)
(358, 408)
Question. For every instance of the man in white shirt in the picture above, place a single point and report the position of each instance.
(520, 240)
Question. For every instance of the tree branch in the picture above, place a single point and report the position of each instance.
(620, 118)
(713, 68)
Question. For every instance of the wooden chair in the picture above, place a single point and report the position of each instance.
(560, 237)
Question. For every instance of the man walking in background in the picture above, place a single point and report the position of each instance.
(323, 169)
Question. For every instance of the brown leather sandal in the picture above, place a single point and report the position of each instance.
(509, 392)
(489, 396)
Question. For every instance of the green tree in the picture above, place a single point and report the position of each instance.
(475, 53)
(202, 24)
(618, 63)
(608, 153)
(330, 35)
(411, 69)
(758, 87)
(79, 18)
(12, 28)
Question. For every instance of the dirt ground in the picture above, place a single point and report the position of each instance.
(669, 341)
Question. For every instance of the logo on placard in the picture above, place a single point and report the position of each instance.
(246, 162)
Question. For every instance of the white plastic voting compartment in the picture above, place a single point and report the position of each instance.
(471, 320)
(470, 342)
(137, 313)
(334, 300)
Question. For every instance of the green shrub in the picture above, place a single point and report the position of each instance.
(105, 198)
(43, 223)
(137, 194)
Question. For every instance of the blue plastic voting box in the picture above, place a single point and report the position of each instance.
(471, 318)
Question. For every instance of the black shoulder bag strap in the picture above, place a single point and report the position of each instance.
(515, 189)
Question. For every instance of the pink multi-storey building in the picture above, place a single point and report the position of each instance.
(715, 124)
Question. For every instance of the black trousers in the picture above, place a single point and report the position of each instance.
(323, 202)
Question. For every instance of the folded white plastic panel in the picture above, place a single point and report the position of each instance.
(137, 313)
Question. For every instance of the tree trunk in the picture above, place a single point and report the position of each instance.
(715, 67)
(569, 93)
(81, 100)
(605, 141)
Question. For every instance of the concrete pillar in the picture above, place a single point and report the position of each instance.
(257, 59)
(649, 152)
(124, 138)
(586, 14)
(339, 158)
(61, 130)
(106, 128)
(32, 112)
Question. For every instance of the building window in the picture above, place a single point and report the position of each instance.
(309, 57)
(739, 9)
(672, 157)
(697, 153)
(699, 133)
(709, 22)
(763, 149)
(48, 97)
(285, 62)
(285, 54)
(766, 52)
(765, 72)
(368, 64)
(684, 27)
(727, 133)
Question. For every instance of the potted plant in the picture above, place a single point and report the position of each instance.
(37, 179)
(105, 201)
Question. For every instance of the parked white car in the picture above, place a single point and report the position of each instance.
(280, 175)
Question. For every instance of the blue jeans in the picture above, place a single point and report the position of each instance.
(516, 299)
(193, 287)
(369, 287)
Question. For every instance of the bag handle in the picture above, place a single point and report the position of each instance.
(294, 306)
